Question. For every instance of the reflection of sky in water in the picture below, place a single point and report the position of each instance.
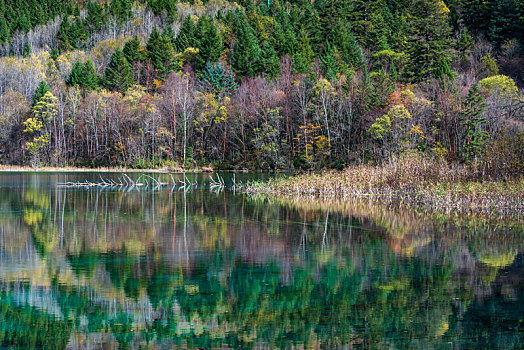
(212, 269)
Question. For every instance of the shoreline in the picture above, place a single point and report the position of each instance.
(27, 169)
(502, 202)
(415, 181)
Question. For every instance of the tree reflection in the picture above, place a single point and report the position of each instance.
(206, 270)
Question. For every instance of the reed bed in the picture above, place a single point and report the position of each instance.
(412, 178)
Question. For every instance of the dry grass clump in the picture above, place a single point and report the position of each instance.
(410, 177)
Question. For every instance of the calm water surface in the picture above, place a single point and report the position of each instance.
(93, 268)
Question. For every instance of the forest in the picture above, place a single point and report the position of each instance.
(276, 85)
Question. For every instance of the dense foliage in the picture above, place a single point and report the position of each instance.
(295, 84)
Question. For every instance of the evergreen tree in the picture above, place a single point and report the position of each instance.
(209, 42)
(91, 79)
(504, 23)
(186, 36)
(429, 37)
(161, 54)
(4, 31)
(474, 125)
(55, 53)
(217, 79)
(329, 59)
(117, 75)
(41, 90)
(270, 60)
(350, 50)
(121, 9)
(24, 23)
(27, 50)
(476, 15)
(95, 18)
(78, 35)
(77, 74)
(132, 50)
(246, 57)
(84, 75)
(64, 44)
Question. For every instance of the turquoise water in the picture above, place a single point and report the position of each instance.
(163, 268)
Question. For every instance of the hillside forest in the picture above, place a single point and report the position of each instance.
(263, 85)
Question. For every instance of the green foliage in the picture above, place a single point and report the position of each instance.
(428, 39)
(161, 54)
(186, 36)
(133, 51)
(27, 50)
(474, 124)
(246, 57)
(41, 90)
(488, 67)
(217, 79)
(84, 75)
(209, 42)
(118, 75)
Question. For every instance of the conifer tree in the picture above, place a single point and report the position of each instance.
(132, 50)
(24, 23)
(118, 75)
(429, 37)
(40, 91)
(329, 59)
(91, 79)
(270, 60)
(84, 75)
(186, 36)
(27, 50)
(246, 53)
(95, 17)
(161, 54)
(4, 31)
(64, 43)
(209, 42)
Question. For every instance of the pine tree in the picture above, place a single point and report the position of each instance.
(118, 75)
(270, 60)
(504, 23)
(24, 23)
(4, 31)
(429, 38)
(84, 75)
(95, 17)
(329, 59)
(121, 9)
(209, 42)
(474, 125)
(246, 57)
(132, 50)
(40, 91)
(161, 54)
(186, 36)
(78, 35)
(64, 43)
(91, 79)
(27, 50)
(77, 74)
(217, 79)
(350, 49)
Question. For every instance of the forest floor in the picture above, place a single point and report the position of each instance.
(414, 180)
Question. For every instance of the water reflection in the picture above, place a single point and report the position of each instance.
(91, 268)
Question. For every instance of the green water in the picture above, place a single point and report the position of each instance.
(137, 268)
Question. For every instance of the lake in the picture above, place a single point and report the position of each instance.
(163, 267)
